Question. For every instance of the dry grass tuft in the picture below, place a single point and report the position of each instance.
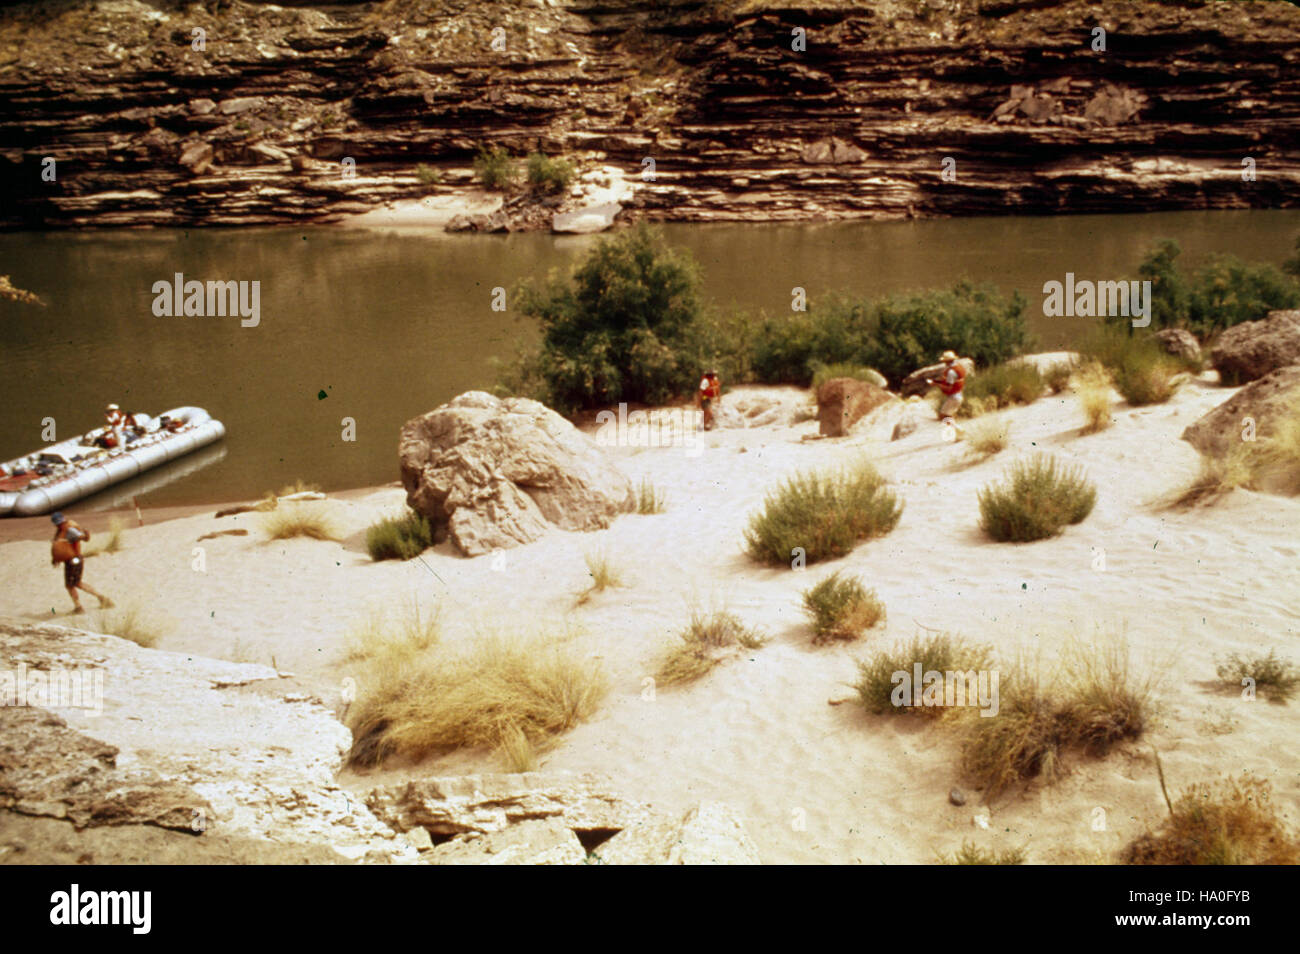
(988, 435)
(879, 685)
(1090, 702)
(1230, 822)
(971, 854)
(1278, 678)
(111, 542)
(502, 691)
(603, 576)
(707, 640)
(141, 626)
(648, 499)
(842, 608)
(300, 519)
(1093, 386)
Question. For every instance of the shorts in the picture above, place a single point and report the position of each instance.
(950, 404)
(72, 572)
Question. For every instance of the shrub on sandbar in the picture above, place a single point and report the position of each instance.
(824, 514)
(1038, 499)
(842, 608)
(399, 538)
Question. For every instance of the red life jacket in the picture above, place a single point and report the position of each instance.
(956, 386)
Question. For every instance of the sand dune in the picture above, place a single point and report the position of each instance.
(817, 782)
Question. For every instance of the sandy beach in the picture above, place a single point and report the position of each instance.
(816, 782)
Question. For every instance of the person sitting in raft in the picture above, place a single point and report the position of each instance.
(115, 422)
(950, 382)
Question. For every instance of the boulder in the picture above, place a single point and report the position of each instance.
(1179, 342)
(1264, 401)
(914, 383)
(710, 834)
(592, 218)
(499, 473)
(240, 104)
(1252, 349)
(1114, 105)
(196, 157)
(831, 151)
(914, 412)
(483, 804)
(539, 842)
(842, 402)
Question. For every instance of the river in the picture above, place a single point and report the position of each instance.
(377, 327)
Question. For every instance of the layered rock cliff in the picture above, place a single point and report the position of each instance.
(121, 112)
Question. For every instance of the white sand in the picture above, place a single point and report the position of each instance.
(817, 783)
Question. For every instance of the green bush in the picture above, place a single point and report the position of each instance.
(824, 514)
(626, 326)
(1001, 386)
(894, 335)
(1223, 292)
(427, 175)
(399, 538)
(549, 175)
(842, 608)
(1037, 500)
(494, 168)
(940, 652)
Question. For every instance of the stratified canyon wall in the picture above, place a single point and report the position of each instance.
(245, 113)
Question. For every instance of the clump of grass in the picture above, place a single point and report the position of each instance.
(707, 640)
(299, 486)
(549, 175)
(826, 372)
(427, 175)
(299, 519)
(988, 436)
(498, 691)
(842, 608)
(1231, 822)
(399, 538)
(1058, 376)
(1271, 463)
(1217, 477)
(494, 168)
(824, 514)
(1090, 703)
(881, 682)
(1001, 386)
(971, 854)
(1273, 675)
(648, 499)
(1038, 499)
(1142, 371)
(140, 626)
(111, 542)
(385, 635)
(603, 575)
(1094, 387)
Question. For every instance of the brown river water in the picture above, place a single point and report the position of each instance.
(377, 327)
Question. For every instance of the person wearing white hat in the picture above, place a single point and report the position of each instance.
(950, 383)
(117, 424)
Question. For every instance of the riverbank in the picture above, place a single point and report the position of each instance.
(816, 782)
(732, 111)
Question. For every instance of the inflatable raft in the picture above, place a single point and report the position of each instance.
(71, 470)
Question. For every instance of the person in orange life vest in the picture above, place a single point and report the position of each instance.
(116, 420)
(710, 390)
(950, 382)
(66, 549)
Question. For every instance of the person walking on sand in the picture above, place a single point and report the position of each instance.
(710, 390)
(950, 382)
(66, 549)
